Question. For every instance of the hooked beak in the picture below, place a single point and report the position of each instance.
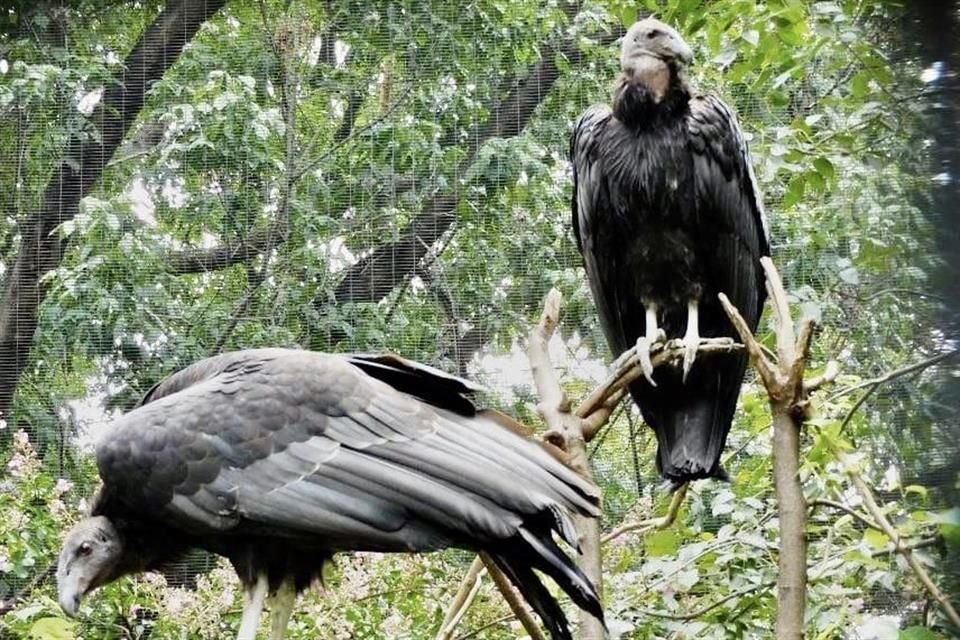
(69, 594)
(682, 51)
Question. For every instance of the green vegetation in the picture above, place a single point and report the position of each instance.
(368, 176)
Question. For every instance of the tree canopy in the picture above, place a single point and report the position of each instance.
(194, 176)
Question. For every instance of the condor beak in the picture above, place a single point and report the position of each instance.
(69, 596)
(72, 585)
(683, 51)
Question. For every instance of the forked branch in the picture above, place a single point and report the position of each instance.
(571, 431)
(783, 379)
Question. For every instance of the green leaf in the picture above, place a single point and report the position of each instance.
(661, 543)
(860, 84)
(825, 168)
(52, 629)
(916, 488)
(795, 190)
(874, 539)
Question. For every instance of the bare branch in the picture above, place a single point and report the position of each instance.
(516, 603)
(475, 632)
(653, 524)
(699, 613)
(875, 383)
(554, 406)
(822, 502)
(786, 340)
(758, 355)
(904, 550)
(626, 368)
(468, 590)
(226, 255)
(829, 375)
(896, 373)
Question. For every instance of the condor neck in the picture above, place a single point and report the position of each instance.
(649, 91)
(146, 544)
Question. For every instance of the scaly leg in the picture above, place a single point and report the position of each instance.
(252, 608)
(691, 339)
(281, 605)
(646, 341)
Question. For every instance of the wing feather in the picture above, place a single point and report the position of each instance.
(718, 142)
(586, 170)
(309, 445)
(731, 207)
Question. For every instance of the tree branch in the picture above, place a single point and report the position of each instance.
(788, 402)
(903, 549)
(702, 611)
(82, 165)
(226, 255)
(468, 590)
(516, 603)
(626, 369)
(372, 278)
(874, 383)
(821, 502)
(653, 524)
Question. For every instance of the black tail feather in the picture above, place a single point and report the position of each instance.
(536, 595)
(537, 550)
(551, 559)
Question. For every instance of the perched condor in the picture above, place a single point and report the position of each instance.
(279, 458)
(667, 215)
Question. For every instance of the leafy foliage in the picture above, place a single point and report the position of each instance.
(294, 140)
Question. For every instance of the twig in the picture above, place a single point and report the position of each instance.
(922, 543)
(710, 607)
(313, 163)
(482, 628)
(874, 383)
(842, 507)
(516, 604)
(37, 580)
(904, 550)
(896, 373)
(652, 524)
(468, 590)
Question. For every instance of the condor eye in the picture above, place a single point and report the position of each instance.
(84, 549)
(653, 34)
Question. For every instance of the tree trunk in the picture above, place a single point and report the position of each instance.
(82, 164)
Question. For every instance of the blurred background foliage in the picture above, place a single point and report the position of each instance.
(371, 176)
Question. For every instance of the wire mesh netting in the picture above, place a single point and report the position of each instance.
(358, 177)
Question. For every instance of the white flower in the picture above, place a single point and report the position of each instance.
(5, 563)
(63, 485)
